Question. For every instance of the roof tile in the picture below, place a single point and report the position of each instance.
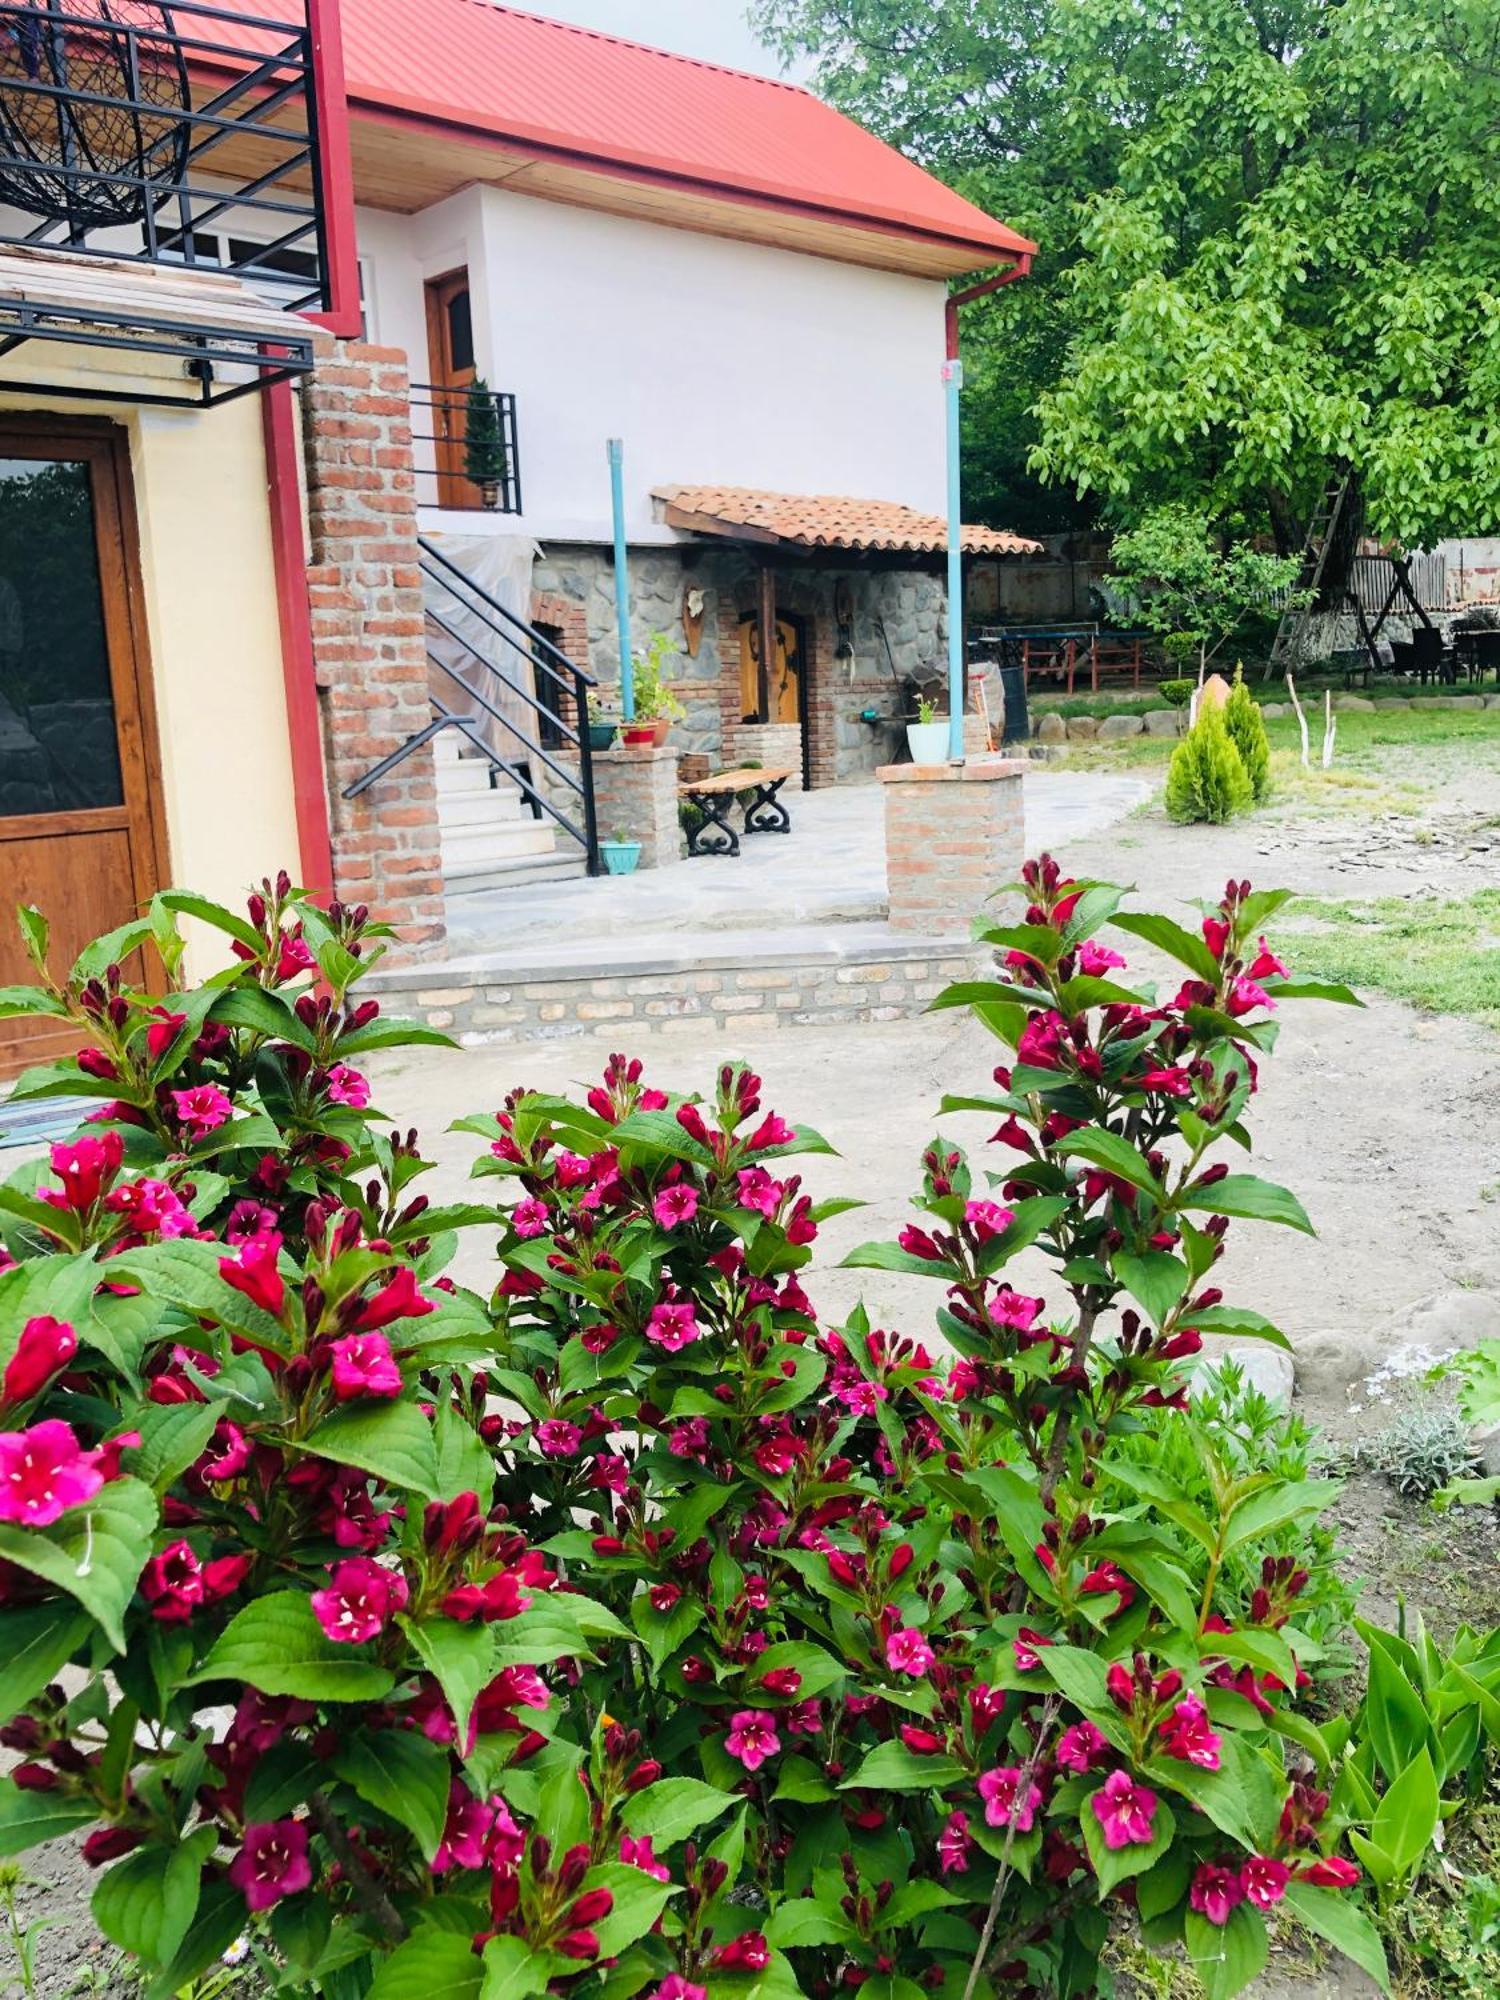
(829, 520)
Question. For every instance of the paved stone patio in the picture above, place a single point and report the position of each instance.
(829, 870)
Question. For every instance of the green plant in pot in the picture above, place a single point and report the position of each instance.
(486, 460)
(656, 706)
(927, 737)
(621, 854)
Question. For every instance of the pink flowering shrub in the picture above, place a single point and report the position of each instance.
(633, 1631)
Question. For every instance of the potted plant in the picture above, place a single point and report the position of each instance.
(486, 461)
(604, 720)
(656, 707)
(927, 737)
(622, 854)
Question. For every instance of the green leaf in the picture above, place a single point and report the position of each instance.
(146, 1903)
(1114, 1865)
(1156, 1281)
(186, 1273)
(29, 1818)
(1029, 1219)
(639, 1901)
(39, 1640)
(1239, 1323)
(1226, 1957)
(220, 1920)
(818, 1669)
(94, 1552)
(402, 1775)
(460, 1657)
(892, 1767)
(890, 1257)
(113, 948)
(437, 1965)
(278, 1646)
(1169, 937)
(392, 1034)
(1340, 1920)
(1248, 1196)
(184, 903)
(664, 1631)
(18, 1003)
(670, 1809)
(1263, 1512)
(800, 1782)
(803, 1921)
(173, 1435)
(392, 1440)
(1396, 1720)
(512, 1971)
(1408, 1815)
(263, 1013)
(1114, 1155)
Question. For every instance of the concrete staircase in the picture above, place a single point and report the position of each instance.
(490, 840)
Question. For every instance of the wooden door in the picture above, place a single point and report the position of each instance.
(80, 822)
(785, 680)
(450, 355)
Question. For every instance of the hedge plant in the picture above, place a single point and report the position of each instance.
(632, 1630)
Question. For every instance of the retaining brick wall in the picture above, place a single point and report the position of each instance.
(952, 833)
(369, 642)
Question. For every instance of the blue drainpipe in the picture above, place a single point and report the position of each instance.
(622, 578)
(953, 382)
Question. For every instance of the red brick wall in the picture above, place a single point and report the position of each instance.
(368, 641)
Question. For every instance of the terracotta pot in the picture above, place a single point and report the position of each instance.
(659, 730)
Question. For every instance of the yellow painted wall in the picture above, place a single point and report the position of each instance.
(210, 591)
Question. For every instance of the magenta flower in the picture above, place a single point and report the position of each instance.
(1124, 1810)
(1012, 1309)
(955, 1844)
(228, 1453)
(252, 1271)
(678, 1203)
(530, 1218)
(1216, 1893)
(1186, 1735)
(363, 1365)
(347, 1086)
(1004, 1804)
(675, 1987)
(398, 1298)
(272, 1863)
(1264, 1880)
(987, 1219)
(1080, 1747)
(172, 1584)
(673, 1327)
(43, 1472)
(752, 1737)
(557, 1438)
(150, 1208)
(862, 1396)
(1245, 996)
(1095, 960)
(638, 1854)
(360, 1599)
(201, 1110)
(758, 1191)
(45, 1346)
(85, 1167)
(907, 1652)
(1026, 1647)
(466, 1831)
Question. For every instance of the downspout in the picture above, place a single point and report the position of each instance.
(953, 381)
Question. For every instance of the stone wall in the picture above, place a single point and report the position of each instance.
(369, 646)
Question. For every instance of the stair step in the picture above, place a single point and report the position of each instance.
(499, 840)
(460, 776)
(470, 879)
(472, 808)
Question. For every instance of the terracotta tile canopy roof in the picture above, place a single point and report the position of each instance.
(824, 521)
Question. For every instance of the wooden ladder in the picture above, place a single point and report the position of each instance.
(1316, 548)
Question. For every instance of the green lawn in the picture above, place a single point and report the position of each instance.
(1444, 957)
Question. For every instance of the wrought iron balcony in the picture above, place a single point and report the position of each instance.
(179, 133)
(463, 460)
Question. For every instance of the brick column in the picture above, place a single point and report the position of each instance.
(369, 647)
(635, 791)
(954, 833)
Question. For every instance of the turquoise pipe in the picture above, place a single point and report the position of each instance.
(622, 578)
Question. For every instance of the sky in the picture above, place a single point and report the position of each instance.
(716, 30)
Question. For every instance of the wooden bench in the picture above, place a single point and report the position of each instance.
(714, 797)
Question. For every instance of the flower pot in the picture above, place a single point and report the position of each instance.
(927, 742)
(660, 729)
(489, 494)
(601, 735)
(638, 733)
(620, 856)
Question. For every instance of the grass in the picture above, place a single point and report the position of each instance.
(1442, 957)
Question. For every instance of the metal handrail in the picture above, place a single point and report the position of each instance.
(448, 408)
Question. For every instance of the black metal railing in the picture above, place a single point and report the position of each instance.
(181, 133)
(441, 420)
(549, 690)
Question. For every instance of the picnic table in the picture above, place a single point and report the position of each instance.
(715, 799)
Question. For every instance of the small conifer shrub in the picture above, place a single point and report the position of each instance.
(1206, 779)
(1242, 718)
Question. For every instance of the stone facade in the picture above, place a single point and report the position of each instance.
(898, 629)
(369, 645)
(953, 832)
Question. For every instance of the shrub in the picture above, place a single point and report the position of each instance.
(1247, 731)
(632, 1631)
(1206, 779)
(1176, 694)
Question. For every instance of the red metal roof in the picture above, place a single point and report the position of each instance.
(591, 97)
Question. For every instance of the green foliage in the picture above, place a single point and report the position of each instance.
(654, 700)
(1187, 589)
(1206, 780)
(486, 460)
(1176, 694)
(1247, 731)
(1423, 1451)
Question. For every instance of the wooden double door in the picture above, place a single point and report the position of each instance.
(81, 834)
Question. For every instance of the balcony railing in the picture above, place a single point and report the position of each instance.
(180, 133)
(440, 427)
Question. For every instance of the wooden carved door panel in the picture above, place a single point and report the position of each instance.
(80, 832)
(450, 343)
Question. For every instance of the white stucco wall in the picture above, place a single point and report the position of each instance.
(717, 362)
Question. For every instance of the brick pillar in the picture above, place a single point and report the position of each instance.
(635, 792)
(369, 646)
(954, 833)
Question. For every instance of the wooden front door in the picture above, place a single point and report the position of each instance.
(450, 355)
(785, 680)
(80, 825)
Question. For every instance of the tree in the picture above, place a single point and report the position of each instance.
(1191, 593)
(1268, 236)
(486, 460)
(1206, 779)
(1247, 732)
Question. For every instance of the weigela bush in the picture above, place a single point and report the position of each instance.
(632, 1631)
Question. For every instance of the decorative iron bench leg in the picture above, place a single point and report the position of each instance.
(765, 812)
(713, 834)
